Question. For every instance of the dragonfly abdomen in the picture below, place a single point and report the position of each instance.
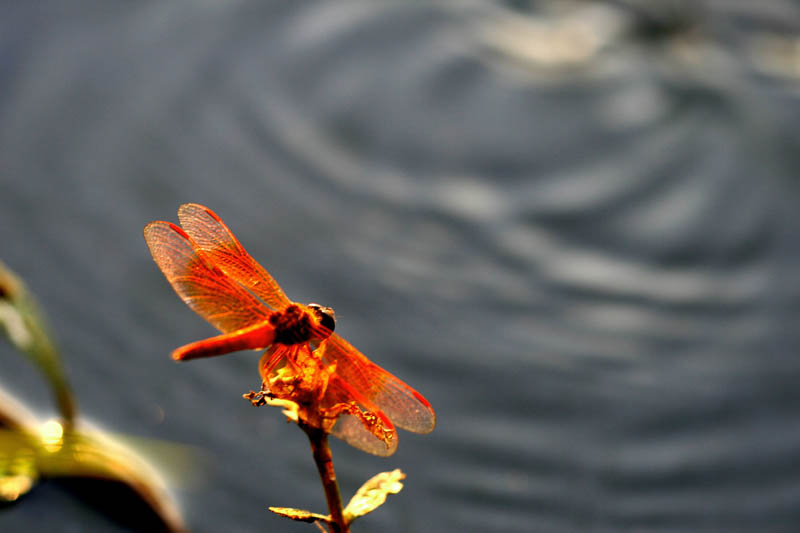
(254, 337)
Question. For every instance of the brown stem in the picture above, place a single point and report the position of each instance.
(324, 461)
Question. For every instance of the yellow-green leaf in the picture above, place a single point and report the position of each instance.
(18, 468)
(372, 494)
(301, 515)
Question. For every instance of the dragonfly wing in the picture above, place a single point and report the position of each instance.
(351, 429)
(217, 242)
(204, 287)
(407, 408)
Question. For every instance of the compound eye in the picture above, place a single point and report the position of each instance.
(325, 315)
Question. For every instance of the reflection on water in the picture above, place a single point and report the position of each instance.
(572, 224)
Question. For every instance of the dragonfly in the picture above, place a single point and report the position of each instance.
(212, 273)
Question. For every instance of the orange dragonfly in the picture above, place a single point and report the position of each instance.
(214, 275)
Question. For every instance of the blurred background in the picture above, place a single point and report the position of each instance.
(572, 225)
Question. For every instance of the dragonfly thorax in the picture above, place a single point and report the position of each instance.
(298, 324)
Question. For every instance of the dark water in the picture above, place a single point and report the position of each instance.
(574, 227)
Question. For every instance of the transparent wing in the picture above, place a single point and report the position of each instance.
(407, 408)
(350, 429)
(217, 242)
(204, 287)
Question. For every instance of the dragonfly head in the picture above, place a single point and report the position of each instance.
(324, 315)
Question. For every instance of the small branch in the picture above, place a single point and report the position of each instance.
(24, 325)
(322, 457)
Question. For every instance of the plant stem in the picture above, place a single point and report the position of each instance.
(322, 457)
